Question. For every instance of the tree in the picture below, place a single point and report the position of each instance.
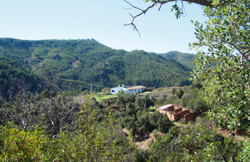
(93, 141)
(180, 93)
(106, 91)
(56, 112)
(224, 69)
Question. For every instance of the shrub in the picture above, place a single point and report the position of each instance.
(155, 132)
(173, 91)
(141, 155)
(164, 124)
(180, 93)
(18, 145)
(164, 145)
(163, 96)
(152, 97)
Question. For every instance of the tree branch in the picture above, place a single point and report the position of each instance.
(200, 2)
(134, 17)
(133, 6)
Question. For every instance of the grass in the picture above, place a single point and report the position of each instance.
(179, 124)
(152, 109)
(100, 97)
(141, 94)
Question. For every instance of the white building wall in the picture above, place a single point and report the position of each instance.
(126, 90)
(115, 90)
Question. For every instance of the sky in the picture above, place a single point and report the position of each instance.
(102, 20)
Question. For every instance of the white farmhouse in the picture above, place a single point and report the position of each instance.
(128, 89)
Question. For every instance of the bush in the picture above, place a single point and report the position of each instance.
(164, 124)
(180, 93)
(16, 145)
(155, 132)
(145, 123)
(141, 155)
(165, 145)
(124, 98)
(152, 97)
(173, 91)
(163, 96)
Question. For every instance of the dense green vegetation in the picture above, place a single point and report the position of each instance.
(56, 124)
(72, 126)
(82, 62)
(13, 75)
(183, 58)
(69, 126)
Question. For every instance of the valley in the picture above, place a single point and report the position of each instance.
(57, 93)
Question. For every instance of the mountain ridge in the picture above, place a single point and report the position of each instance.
(89, 62)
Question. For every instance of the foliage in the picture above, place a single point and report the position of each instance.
(196, 143)
(93, 141)
(56, 112)
(84, 62)
(173, 91)
(18, 145)
(101, 97)
(179, 93)
(124, 98)
(13, 74)
(244, 154)
(183, 58)
(106, 91)
(150, 121)
(43, 131)
(224, 69)
(152, 97)
(183, 82)
(163, 96)
(129, 117)
(192, 100)
(137, 119)
(140, 155)
(162, 146)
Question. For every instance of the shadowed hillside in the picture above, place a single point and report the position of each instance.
(13, 75)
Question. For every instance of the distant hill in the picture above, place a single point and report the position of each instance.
(83, 62)
(183, 58)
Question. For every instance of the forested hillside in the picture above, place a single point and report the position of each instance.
(83, 62)
(208, 121)
(183, 58)
(13, 75)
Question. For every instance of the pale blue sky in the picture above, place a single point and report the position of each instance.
(102, 20)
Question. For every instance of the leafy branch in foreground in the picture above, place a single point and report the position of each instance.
(224, 69)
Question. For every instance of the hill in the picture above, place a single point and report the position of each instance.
(12, 75)
(83, 62)
(183, 58)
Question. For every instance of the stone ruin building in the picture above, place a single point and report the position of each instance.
(175, 113)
